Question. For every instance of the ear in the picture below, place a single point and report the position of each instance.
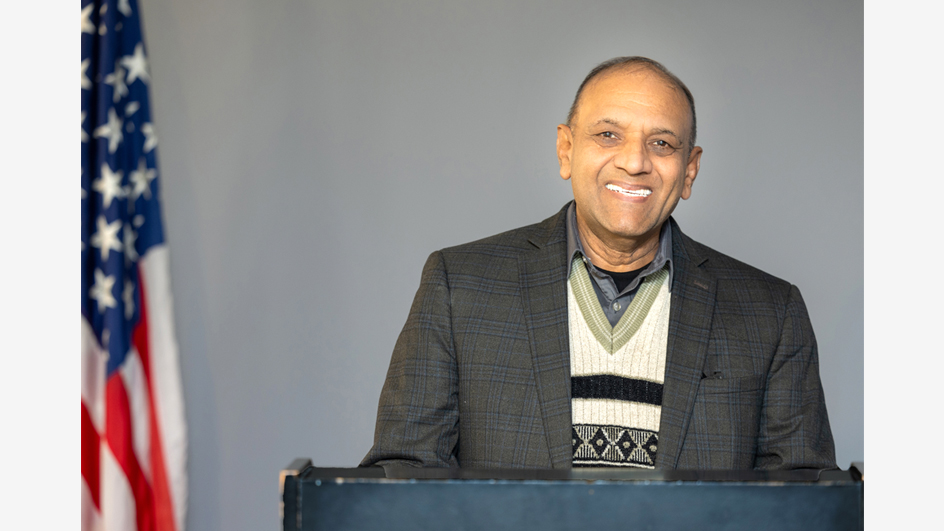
(565, 148)
(691, 171)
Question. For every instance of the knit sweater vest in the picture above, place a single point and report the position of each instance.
(617, 372)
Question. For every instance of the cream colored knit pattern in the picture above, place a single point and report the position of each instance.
(642, 357)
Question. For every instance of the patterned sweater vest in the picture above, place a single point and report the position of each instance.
(617, 372)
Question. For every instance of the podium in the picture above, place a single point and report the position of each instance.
(401, 498)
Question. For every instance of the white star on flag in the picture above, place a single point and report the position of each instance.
(124, 7)
(87, 26)
(86, 82)
(141, 179)
(109, 185)
(131, 253)
(84, 134)
(101, 13)
(128, 297)
(132, 108)
(111, 130)
(117, 80)
(150, 137)
(101, 291)
(106, 236)
(136, 65)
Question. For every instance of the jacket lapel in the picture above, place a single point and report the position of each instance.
(693, 300)
(543, 276)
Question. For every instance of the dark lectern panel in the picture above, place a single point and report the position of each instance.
(343, 499)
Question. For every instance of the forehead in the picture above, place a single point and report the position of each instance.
(632, 94)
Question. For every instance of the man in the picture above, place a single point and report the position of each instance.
(603, 336)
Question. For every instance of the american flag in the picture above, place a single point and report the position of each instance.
(133, 429)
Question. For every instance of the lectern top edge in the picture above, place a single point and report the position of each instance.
(303, 468)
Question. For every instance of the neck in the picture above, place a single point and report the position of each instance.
(618, 254)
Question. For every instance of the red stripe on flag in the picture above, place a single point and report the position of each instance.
(91, 447)
(163, 503)
(118, 434)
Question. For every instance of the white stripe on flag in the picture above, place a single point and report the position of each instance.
(116, 498)
(165, 374)
(136, 387)
(94, 360)
(91, 520)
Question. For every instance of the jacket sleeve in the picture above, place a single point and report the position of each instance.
(794, 428)
(418, 415)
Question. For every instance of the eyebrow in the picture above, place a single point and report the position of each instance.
(606, 121)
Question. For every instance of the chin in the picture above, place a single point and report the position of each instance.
(631, 232)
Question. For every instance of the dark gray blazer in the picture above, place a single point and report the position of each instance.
(480, 375)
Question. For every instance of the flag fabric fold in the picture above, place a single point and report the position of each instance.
(134, 440)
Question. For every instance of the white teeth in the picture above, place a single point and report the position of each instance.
(634, 193)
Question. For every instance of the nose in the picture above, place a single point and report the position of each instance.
(633, 158)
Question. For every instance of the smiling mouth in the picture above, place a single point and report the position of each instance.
(631, 193)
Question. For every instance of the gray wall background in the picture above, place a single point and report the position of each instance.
(313, 154)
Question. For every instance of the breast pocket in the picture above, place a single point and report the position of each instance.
(723, 430)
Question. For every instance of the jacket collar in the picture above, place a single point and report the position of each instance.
(693, 300)
(543, 276)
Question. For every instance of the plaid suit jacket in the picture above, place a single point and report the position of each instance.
(480, 375)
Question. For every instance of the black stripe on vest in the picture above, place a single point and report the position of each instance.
(608, 386)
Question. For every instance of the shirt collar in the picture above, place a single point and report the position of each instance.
(574, 245)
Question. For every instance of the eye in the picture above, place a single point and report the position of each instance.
(662, 147)
(607, 138)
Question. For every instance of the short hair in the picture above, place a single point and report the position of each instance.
(643, 62)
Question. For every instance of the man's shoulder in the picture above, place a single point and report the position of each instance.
(512, 243)
(723, 267)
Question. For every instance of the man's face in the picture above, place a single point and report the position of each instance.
(627, 155)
